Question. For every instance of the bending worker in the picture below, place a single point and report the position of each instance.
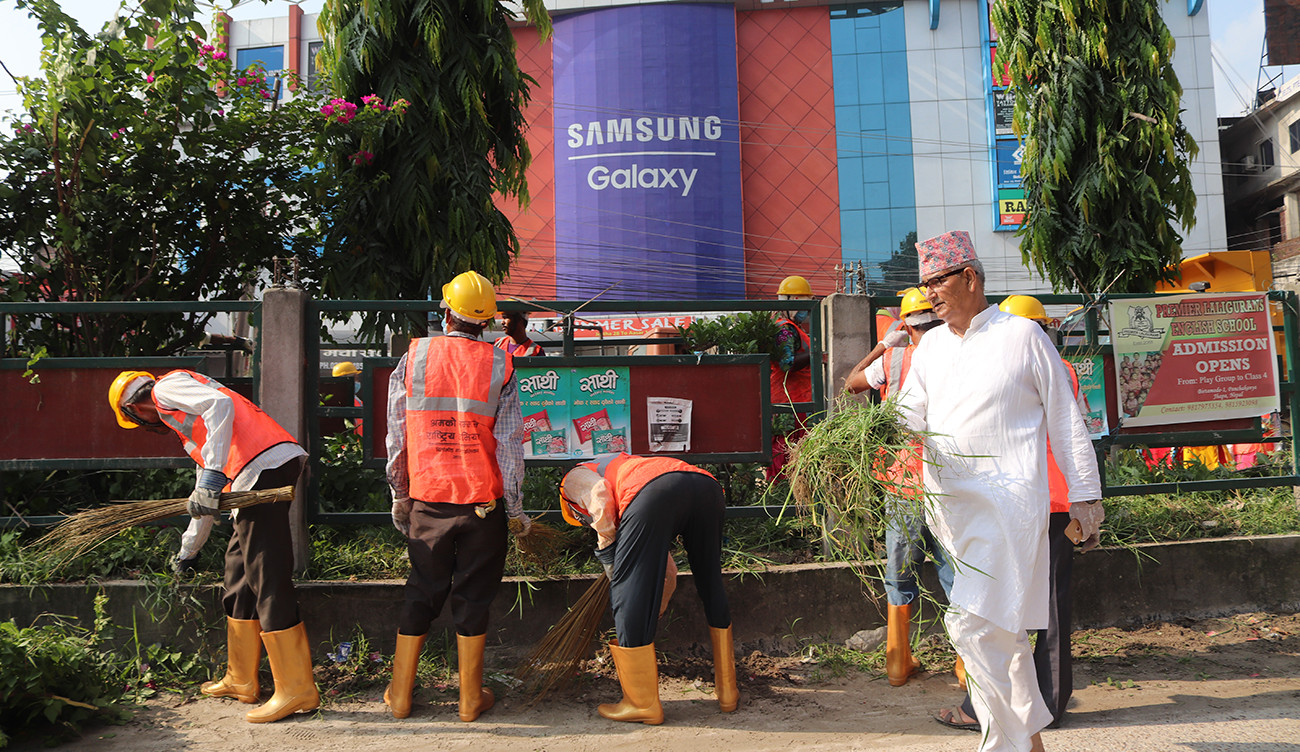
(240, 448)
(455, 452)
(637, 506)
(907, 538)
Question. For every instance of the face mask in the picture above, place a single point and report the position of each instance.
(446, 325)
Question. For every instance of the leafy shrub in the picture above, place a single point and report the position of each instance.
(55, 675)
(740, 333)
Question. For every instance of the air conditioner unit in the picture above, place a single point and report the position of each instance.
(1250, 163)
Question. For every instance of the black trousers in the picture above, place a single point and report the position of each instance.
(691, 505)
(453, 552)
(1052, 659)
(259, 558)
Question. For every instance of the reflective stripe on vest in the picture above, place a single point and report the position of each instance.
(453, 387)
(798, 383)
(252, 431)
(896, 369)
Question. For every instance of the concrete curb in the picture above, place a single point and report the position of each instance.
(773, 610)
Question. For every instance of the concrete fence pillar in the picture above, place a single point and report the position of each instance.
(286, 392)
(849, 326)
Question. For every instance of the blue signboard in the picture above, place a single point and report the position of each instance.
(647, 153)
(1009, 151)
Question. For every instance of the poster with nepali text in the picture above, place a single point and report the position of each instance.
(1090, 370)
(574, 412)
(1190, 358)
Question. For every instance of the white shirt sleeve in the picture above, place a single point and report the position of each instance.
(875, 374)
(180, 391)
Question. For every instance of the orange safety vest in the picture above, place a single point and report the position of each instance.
(627, 474)
(453, 385)
(904, 475)
(1058, 489)
(797, 383)
(253, 431)
(527, 349)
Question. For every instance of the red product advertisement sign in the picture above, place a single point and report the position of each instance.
(1191, 358)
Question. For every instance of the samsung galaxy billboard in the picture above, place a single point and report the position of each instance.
(647, 153)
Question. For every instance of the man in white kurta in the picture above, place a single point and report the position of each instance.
(990, 389)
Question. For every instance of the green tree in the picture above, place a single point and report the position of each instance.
(1105, 165)
(902, 269)
(461, 142)
(144, 168)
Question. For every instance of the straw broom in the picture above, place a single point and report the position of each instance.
(553, 663)
(541, 546)
(82, 532)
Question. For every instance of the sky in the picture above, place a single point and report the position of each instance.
(1236, 34)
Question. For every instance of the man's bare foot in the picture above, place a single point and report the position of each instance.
(1036, 743)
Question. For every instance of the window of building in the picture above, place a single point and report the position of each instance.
(1294, 131)
(270, 58)
(1266, 154)
(313, 49)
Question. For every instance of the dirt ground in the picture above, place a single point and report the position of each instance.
(1221, 685)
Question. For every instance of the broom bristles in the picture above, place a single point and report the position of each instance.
(83, 531)
(554, 662)
(542, 545)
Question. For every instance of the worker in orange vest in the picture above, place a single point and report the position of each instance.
(907, 538)
(790, 377)
(240, 448)
(638, 506)
(455, 453)
(1053, 662)
(516, 341)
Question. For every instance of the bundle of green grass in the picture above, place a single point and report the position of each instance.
(846, 471)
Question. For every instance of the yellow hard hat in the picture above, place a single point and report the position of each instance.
(1023, 305)
(115, 395)
(346, 368)
(914, 300)
(794, 285)
(470, 295)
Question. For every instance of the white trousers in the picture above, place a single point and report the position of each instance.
(1003, 685)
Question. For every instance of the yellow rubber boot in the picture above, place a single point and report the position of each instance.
(899, 663)
(638, 674)
(960, 670)
(724, 669)
(474, 699)
(243, 656)
(295, 688)
(406, 658)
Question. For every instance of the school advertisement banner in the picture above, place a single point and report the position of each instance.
(647, 169)
(1091, 372)
(1190, 358)
(571, 413)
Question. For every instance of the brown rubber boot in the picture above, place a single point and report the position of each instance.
(295, 688)
(899, 663)
(960, 670)
(406, 658)
(724, 669)
(638, 674)
(474, 699)
(243, 656)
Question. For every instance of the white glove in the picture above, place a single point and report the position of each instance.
(205, 499)
(524, 525)
(1089, 515)
(402, 516)
(897, 338)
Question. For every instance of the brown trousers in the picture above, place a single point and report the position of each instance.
(455, 553)
(259, 559)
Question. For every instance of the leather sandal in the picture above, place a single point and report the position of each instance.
(954, 718)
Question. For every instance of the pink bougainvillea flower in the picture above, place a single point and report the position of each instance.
(266, 94)
(327, 110)
(362, 157)
(149, 78)
(208, 48)
(218, 56)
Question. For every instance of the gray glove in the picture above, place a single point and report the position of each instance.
(606, 558)
(897, 338)
(1089, 515)
(205, 499)
(521, 525)
(402, 516)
